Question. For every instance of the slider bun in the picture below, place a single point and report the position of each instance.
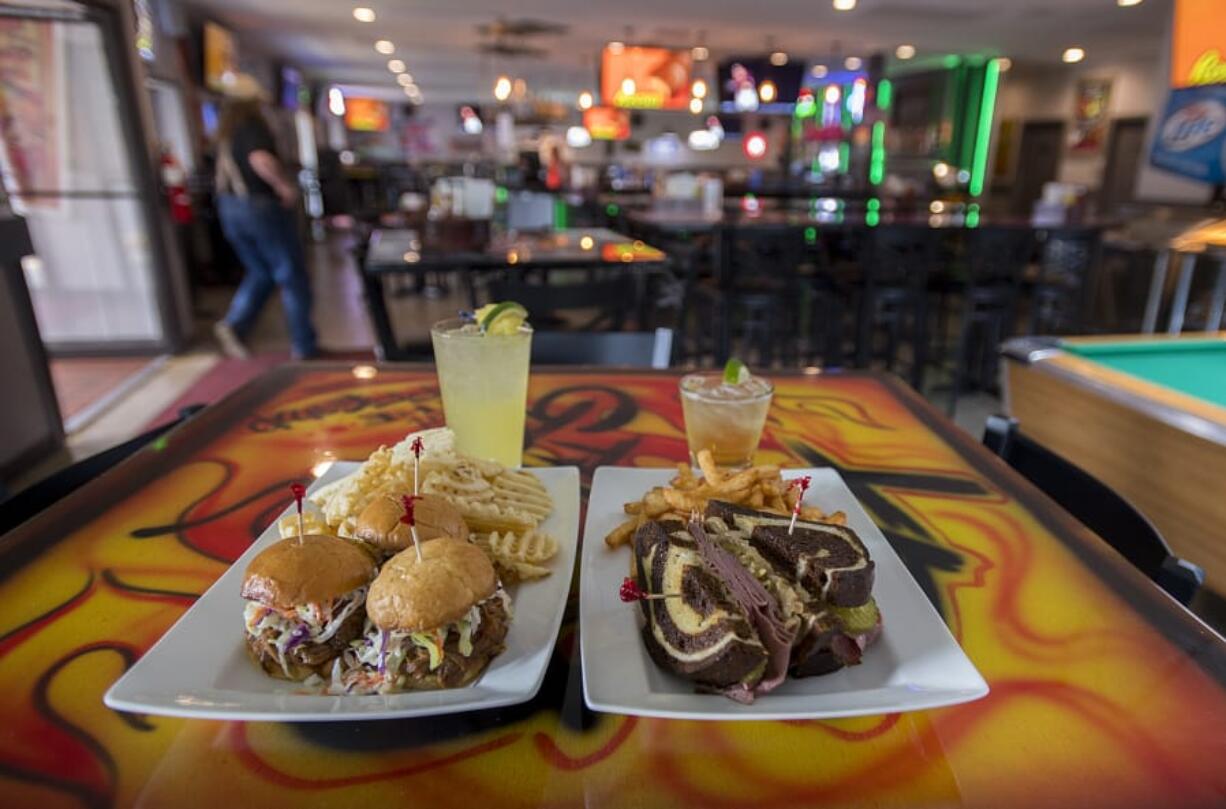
(380, 525)
(412, 596)
(316, 569)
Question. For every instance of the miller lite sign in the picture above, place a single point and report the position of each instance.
(1192, 135)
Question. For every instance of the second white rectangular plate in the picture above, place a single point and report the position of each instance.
(915, 665)
(200, 668)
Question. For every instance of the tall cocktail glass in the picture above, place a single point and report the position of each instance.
(484, 383)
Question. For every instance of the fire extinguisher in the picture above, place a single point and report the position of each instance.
(174, 180)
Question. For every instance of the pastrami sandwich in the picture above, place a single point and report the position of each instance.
(380, 523)
(432, 623)
(749, 603)
(305, 600)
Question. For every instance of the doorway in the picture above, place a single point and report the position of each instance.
(1038, 162)
(1125, 146)
(76, 167)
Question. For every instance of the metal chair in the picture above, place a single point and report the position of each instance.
(42, 495)
(1097, 506)
(625, 349)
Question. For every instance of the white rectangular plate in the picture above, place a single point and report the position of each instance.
(200, 667)
(915, 665)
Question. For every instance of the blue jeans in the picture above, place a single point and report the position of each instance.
(263, 234)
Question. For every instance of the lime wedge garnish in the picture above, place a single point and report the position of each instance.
(735, 372)
(502, 318)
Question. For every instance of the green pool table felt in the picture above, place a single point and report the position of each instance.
(1194, 367)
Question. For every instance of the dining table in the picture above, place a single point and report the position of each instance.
(1104, 691)
(470, 252)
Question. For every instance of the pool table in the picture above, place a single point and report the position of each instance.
(1146, 415)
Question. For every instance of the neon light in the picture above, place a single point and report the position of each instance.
(952, 61)
(972, 215)
(561, 214)
(501, 194)
(810, 235)
(872, 218)
(844, 156)
(612, 209)
(876, 161)
(874, 204)
(983, 134)
(885, 94)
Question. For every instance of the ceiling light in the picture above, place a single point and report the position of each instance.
(698, 89)
(385, 47)
(405, 79)
(628, 86)
(905, 51)
(853, 63)
(1004, 63)
(779, 58)
(502, 88)
(844, 5)
(616, 47)
(819, 71)
(364, 14)
(395, 65)
(700, 53)
(696, 106)
(585, 100)
(767, 91)
(1073, 55)
(1127, 3)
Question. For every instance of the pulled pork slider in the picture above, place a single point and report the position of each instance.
(379, 523)
(433, 623)
(305, 599)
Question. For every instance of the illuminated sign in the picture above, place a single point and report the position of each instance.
(645, 78)
(607, 123)
(1198, 43)
(366, 115)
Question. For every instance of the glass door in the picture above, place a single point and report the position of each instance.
(74, 163)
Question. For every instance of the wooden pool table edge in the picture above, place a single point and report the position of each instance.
(1140, 447)
(1171, 407)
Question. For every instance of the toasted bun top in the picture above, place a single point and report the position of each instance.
(411, 596)
(315, 569)
(380, 525)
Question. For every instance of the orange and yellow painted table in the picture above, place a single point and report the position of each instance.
(1104, 691)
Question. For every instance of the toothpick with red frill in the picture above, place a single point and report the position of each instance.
(417, 447)
(801, 483)
(299, 492)
(630, 591)
(408, 500)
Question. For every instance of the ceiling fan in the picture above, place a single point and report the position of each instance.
(508, 35)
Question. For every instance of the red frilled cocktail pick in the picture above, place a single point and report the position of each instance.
(630, 592)
(299, 492)
(409, 501)
(801, 483)
(418, 447)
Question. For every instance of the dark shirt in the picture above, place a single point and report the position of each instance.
(250, 136)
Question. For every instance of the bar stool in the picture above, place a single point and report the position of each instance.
(893, 296)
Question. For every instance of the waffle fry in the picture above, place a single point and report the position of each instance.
(525, 491)
(761, 487)
(534, 547)
(519, 557)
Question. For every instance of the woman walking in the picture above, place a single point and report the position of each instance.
(255, 203)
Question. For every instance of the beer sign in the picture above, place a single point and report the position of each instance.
(1198, 43)
(1192, 135)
